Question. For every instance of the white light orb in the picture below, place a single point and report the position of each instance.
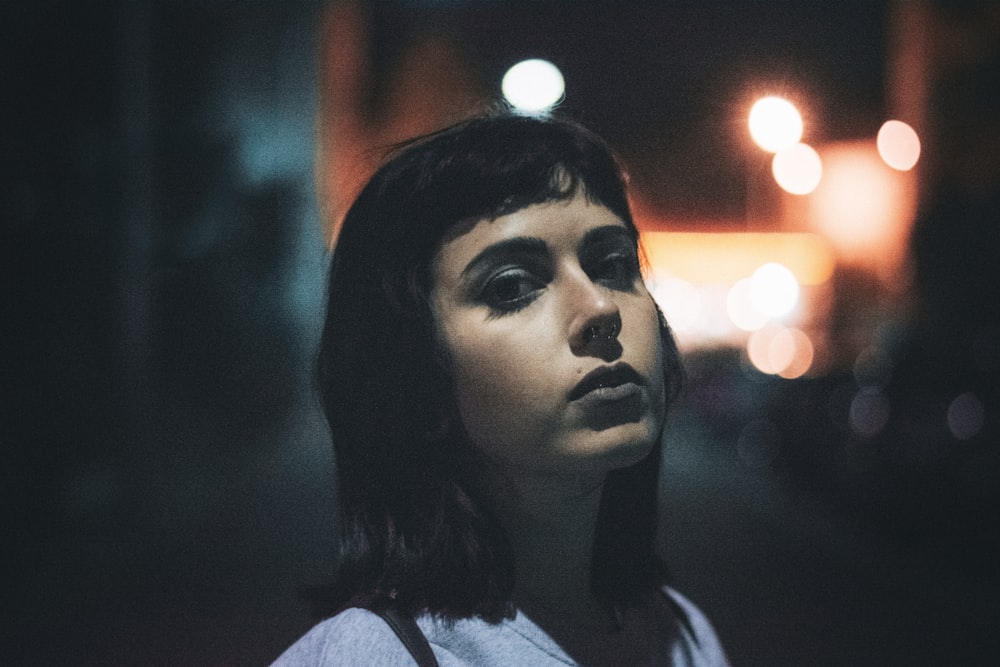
(898, 145)
(798, 170)
(774, 290)
(533, 86)
(680, 302)
(775, 124)
(740, 307)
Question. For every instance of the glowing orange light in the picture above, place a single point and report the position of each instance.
(727, 257)
(797, 169)
(899, 145)
(775, 124)
(863, 207)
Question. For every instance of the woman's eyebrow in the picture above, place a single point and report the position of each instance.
(605, 234)
(497, 252)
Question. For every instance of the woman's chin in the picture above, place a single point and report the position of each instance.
(621, 446)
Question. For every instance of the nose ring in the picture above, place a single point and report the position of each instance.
(609, 332)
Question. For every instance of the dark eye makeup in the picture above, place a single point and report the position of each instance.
(508, 276)
(510, 289)
(609, 257)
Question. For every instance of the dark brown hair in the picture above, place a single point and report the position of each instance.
(412, 531)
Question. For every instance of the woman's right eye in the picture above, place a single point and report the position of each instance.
(510, 290)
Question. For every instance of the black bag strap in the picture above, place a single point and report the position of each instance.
(409, 633)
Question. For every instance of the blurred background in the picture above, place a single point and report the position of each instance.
(173, 173)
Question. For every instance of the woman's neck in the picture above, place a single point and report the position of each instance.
(550, 522)
(551, 525)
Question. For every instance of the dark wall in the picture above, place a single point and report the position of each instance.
(164, 282)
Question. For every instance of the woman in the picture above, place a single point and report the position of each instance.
(495, 376)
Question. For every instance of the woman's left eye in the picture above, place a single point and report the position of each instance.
(510, 290)
(617, 270)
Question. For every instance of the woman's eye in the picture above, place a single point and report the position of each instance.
(617, 270)
(510, 290)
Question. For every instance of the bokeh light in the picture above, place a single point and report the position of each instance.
(869, 412)
(898, 144)
(681, 303)
(703, 257)
(758, 350)
(965, 416)
(774, 290)
(705, 284)
(798, 169)
(864, 208)
(740, 307)
(780, 350)
(775, 124)
(533, 86)
(799, 351)
(714, 324)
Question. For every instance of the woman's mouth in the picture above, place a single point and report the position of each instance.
(610, 396)
(608, 383)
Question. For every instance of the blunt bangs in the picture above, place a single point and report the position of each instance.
(494, 166)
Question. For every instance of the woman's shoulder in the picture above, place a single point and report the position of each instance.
(352, 637)
(700, 645)
(357, 637)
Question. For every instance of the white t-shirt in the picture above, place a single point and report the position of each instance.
(359, 638)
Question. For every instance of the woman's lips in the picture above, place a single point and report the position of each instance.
(607, 383)
(610, 396)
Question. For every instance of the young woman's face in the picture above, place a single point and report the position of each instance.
(553, 339)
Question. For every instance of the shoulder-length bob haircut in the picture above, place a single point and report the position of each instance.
(413, 532)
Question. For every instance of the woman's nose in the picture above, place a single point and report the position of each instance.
(596, 319)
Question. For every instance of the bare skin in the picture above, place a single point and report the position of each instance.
(529, 306)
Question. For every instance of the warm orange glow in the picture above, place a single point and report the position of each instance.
(798, 169)
(863, 207)
(431, 86)
(716, 287)
(775, 124)
(727, 257)
(899, 145)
